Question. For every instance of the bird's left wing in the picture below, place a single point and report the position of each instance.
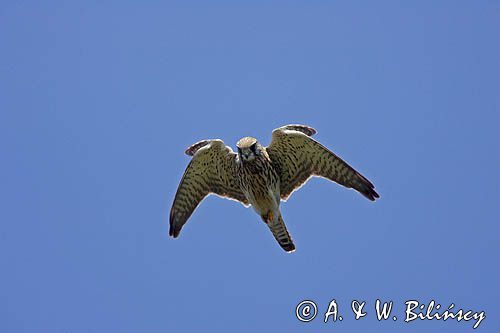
(211, 170)
(297, 156)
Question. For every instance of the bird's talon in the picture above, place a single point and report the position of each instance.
(270, 216)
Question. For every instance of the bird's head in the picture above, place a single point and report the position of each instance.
(248, 149)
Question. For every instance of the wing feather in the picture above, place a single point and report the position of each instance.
(211, 170)
(297, 156)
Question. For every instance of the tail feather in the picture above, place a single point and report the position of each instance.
(280, 233)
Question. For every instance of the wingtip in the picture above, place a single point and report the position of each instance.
(174, 232)
(191, 150)
(371, 195)
(174, 228)
(366, 188)
(308, 130)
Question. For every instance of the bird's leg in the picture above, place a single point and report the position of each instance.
(270, 216)
(267, 217)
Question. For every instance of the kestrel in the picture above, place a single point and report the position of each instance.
(261, 176)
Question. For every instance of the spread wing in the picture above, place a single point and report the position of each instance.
(297, 156)
(211, 170)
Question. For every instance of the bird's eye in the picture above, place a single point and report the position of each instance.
(254, 148)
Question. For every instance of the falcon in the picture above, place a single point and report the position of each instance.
(261, 176)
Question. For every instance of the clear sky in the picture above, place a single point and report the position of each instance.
(99, 100)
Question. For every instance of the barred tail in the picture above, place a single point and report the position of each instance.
(278, 228)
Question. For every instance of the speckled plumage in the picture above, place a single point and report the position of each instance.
(261, 176)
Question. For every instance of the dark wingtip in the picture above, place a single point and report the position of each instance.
(370, 194)
(366, 188)
(302, 128)
(174, 229)
(174, 232)
(191, 150)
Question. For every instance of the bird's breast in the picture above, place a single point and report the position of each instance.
(260, 183)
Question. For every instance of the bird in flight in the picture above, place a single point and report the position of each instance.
(261, 176)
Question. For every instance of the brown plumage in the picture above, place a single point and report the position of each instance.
(261, 176)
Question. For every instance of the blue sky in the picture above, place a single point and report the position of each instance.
(99, 100)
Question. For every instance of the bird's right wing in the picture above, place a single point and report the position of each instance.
(297, 156)
(211, 170)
